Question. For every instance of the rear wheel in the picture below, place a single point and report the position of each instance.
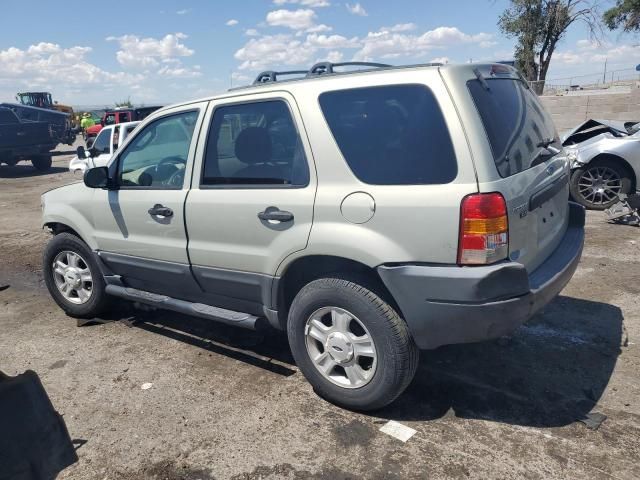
(597, 185)
(350, 344)
(42, 162)
(73, 277)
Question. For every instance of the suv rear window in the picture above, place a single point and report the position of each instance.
(391, 135)
(514, 121)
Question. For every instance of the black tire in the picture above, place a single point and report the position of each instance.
(397, 354)
(98, 301)
(42, 162)
(598, 203)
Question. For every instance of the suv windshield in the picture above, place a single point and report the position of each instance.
(517, 126)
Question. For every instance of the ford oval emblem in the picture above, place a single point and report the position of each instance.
(550, 170)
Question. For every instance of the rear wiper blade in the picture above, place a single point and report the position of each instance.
(545, 154)
(545, 143)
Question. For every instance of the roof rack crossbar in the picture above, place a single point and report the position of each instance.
(272, 76)
(328, 67)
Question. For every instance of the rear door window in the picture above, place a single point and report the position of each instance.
(255, 143)
(515, 122)
(391, 135)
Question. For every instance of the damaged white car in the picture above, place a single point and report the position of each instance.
(605, 160)
(103, 148)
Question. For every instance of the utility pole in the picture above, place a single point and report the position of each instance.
(604, 75)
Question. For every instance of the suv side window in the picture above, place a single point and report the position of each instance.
(101, 143)
(254, 144)
(157, 156)
(391, 135)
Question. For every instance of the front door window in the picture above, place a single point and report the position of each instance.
(157, 156)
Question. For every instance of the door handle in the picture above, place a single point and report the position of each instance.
(160, 211)
(275, 214)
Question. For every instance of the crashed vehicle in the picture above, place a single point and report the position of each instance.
(605, 161)
(104, 146)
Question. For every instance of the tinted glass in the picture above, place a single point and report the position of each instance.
(157, 155)
(393, 135)
(110, 119)
(514, 121)
(254, 144)
(101, 144)
(6, 116)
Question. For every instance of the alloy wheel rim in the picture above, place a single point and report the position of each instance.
(340, 347)
(600, 185)
(72, 276)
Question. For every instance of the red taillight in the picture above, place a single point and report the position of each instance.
(484, 230)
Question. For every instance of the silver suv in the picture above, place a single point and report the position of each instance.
(368, 213)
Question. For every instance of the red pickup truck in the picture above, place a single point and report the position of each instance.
(118, 115)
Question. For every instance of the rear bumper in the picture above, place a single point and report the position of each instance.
(449, 304)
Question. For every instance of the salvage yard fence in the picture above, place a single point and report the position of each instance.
(613, 81)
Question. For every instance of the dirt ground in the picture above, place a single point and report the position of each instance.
(229, 404)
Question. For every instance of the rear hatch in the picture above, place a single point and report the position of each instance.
(525, 151)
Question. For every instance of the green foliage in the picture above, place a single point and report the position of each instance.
(625, 14)
(538, 26)
(124, 103)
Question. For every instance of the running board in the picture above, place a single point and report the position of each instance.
(201, 310)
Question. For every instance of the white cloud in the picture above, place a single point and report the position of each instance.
(333, 56)
(300, 19)
(270, 51)
(387, 44)
(331, 41)
(305, 3)
(251, 32)
(180, 72)
(232, 23)
(184, 11)
(274, 51)
(49, 66)
(319, 28)
(240, 77)
(444, 60)
(136, 52)
(356, 9)
(401, 27)
(592, 53)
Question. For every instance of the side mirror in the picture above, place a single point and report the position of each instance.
(97, 177)
(82, 154)
(102, 122)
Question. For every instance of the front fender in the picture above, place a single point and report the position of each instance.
(70, 206)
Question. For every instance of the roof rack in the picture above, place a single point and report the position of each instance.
(323, 68)
(272, 76)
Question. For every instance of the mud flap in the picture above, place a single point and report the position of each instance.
(34, 441)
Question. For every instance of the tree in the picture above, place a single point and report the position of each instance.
(625, 14)
(125, 103)
(538, 26)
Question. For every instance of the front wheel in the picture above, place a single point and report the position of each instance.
(597, 185)
(350, 344)
(73, 278)
(42, 162)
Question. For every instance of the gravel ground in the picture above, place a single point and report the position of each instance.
(227, 404)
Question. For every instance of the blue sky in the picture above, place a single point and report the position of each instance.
(165, 51)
